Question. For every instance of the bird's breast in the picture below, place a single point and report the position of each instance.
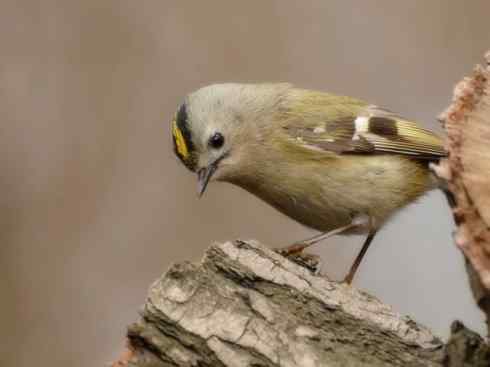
(328, 196)
(301, 196)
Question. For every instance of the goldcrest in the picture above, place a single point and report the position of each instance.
(333, 163)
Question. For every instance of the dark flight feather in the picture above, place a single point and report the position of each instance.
(353, 128)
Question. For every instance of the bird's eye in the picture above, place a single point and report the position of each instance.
(216, 140)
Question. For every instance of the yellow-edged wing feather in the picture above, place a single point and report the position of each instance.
(348, 126)
(389, 133)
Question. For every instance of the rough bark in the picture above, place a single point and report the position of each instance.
(466, 173)
(465, 348)
(245, 305)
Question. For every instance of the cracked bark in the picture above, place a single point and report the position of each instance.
(466, 175)
(245, 305)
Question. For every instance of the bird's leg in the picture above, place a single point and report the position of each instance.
(295, 251)
(298, 247)
(357, 222)
(350, 275)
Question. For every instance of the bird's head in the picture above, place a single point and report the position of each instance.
(217, 128)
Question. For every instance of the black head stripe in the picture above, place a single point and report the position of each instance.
(183, 125)
(182, 138)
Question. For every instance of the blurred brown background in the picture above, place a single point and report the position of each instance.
(95, 206)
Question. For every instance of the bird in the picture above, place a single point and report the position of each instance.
(333, 163)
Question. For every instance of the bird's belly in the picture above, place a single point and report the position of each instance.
(319, 216)
(312, 209)
(331, 198)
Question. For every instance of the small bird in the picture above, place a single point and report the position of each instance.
(333, 163)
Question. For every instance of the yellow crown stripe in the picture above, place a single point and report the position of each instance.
(179, 141)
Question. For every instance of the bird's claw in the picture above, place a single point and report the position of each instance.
(295, 254)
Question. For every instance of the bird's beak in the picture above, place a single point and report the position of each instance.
(203, 177)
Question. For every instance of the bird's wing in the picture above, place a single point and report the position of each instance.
(357, 129)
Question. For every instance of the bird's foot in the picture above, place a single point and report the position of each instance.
(295, 254)
(291, 250)
(348, 279)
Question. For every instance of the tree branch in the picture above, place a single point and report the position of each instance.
(245, 305)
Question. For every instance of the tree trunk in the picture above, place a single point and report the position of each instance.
(466, 176)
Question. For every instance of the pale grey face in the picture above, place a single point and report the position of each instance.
(205, 127)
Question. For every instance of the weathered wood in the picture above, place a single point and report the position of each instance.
(245, 305)
(465, 348)
(466, 173)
